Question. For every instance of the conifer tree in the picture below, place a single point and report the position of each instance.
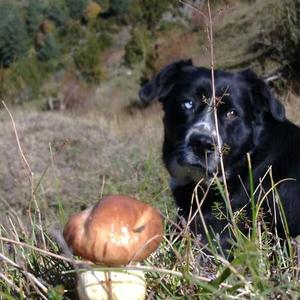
(76, 8)
(13, 36)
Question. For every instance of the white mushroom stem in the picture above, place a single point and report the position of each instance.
(97, 284)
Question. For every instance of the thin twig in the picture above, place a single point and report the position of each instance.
(42, 251)
(23, 157)
(214, 102)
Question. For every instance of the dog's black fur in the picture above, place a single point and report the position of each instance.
(250, 120)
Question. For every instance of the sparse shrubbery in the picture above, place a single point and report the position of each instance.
(34, 17)
(58, 13)
(153, 11)
(288, 43)
(76, 8)
(68, 33)
(87, 59)
(138, 47)
(23, 80)
(49, 50)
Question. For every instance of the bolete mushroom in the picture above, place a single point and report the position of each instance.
(116, 231)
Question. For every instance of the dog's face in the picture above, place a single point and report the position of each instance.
(197, 130)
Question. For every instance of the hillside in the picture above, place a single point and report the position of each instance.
(71, 79)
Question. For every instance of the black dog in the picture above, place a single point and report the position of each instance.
(250, 120)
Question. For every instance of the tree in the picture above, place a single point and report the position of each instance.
(153, 11)
(126, 10)
(58, 12)
(13, 36)
(76, 8)
(34, 16)
(138, 46)
(87, 59)
(104, 4)
(49, 50)
(120, 7)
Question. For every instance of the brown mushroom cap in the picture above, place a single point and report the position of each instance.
(115, 231)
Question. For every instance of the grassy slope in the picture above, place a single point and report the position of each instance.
(113, 147)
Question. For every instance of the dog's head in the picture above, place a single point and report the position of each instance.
(243, 104)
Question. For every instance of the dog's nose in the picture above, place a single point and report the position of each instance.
(201, 144)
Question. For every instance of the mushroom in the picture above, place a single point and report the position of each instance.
(114, 232)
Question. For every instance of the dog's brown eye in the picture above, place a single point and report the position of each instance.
(232, 114)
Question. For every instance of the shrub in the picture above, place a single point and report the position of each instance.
(127, 11)
(74, 33)
(104, 4)
(87, 59)
(150, 68)
(34, 17)
(120, 7)
(23, 80)
(138, 46)
(50, 49)
(92, 10)
(13, 37)
(153, 11)
(76, 8)
(58, 13)
(281, 35)
(289, 42)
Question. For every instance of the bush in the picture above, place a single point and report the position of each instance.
(290, 35)
(50, 49)
(87, 59)
(153, 11)
(34, 17)
(22, 82)
(281, 35)
(76, 8)
(92, 10)
(138, 46)
(58, 13)
(120, 7)
(13, 37)
(104, 4)
(126, 11)
(74, 33)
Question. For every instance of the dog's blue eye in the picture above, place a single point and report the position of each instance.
(188, 104)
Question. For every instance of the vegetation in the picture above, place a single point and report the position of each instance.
(263, 266)
(90, 57)
(14, 39)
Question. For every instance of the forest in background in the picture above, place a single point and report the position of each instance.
(45, 45)
(70, 72)
(43, 39)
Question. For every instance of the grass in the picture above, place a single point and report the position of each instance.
(114, 147)
(35, 264)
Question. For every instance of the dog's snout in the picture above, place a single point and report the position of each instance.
(201, 144)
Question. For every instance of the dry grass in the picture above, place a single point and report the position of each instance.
(111, 147)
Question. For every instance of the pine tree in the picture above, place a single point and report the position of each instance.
(34, 16)
(76, 8)
(120, 7)
(153, 11)
(58, 12)
(50, 49)
(13, 36)
(88, 59)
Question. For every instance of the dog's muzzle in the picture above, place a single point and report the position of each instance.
(202, 145)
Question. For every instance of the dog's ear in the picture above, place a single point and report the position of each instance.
(163, 82)
(264, 100)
